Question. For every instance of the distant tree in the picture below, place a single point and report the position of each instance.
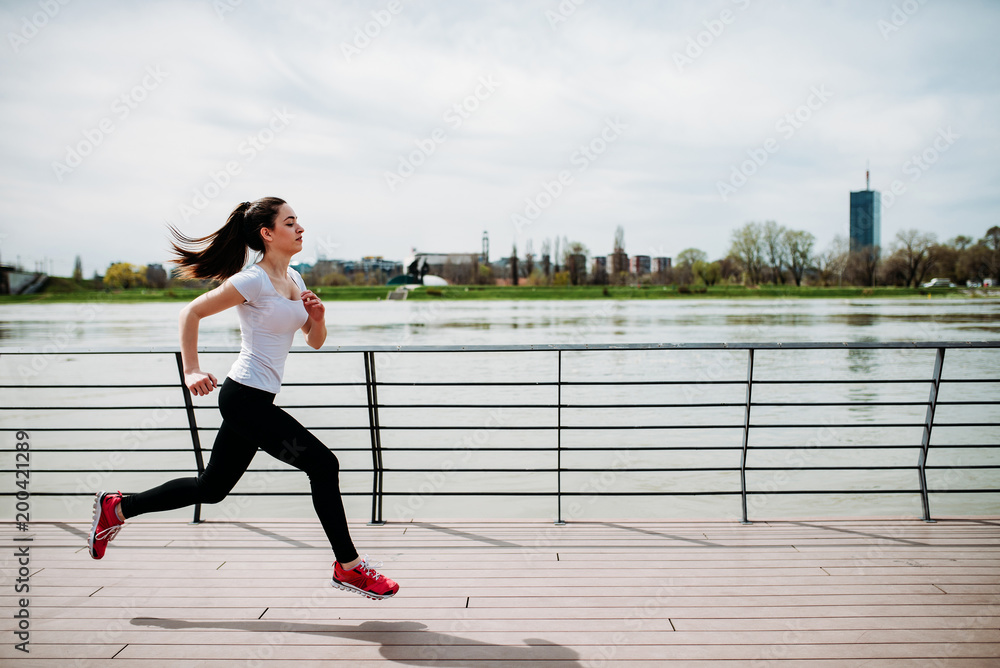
(748, 246)
(914, 249)
(773, 240)
(683, 270)
(961, 242)
(992, 244)
(862, 265)
(576, 263)
(122, 275)
(832, 263)
(78, 269)
(529, 259)
(513, 265)
(799, 246)
(946, 261)
(730, 269)
(691, 255)
(156, 276)
(708, 272)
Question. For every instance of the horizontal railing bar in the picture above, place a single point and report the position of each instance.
(144, 450)
(963, 466)
(579, 383)
(187, 470)
(964, 491)
(564, 470)
(854, 404)
(569, 347)
(593, 493)
(91, 494)
(542, 449)
(769, 404)
(144, 429)
(89, 387)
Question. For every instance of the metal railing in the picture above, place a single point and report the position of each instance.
(922, 391)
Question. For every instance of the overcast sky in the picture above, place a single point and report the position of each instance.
(426, 123)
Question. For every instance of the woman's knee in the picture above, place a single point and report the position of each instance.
(212, 493)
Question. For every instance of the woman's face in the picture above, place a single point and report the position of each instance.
(286, 237)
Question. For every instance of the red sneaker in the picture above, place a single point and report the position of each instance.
(106, 522)
(363, 579)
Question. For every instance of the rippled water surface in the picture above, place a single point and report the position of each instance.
(702, 437)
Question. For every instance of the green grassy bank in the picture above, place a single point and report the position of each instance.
(64, 290)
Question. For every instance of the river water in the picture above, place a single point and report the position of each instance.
(700, 437)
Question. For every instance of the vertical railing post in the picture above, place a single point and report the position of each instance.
(376, 438)
(559, 517)
(925, 443)
(193, 427)
(746, 438)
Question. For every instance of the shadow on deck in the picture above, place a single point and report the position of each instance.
(824, 592)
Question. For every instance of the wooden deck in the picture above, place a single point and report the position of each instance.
(825, 593)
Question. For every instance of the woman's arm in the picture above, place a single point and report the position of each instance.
(315, 327)
(223, 297)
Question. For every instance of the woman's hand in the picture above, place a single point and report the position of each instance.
(314, 307)
(200, 383)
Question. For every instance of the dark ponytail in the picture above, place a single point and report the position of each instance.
(224, 252)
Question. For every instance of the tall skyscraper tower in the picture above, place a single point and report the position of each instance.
(866, 217)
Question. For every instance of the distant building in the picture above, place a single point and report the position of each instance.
(661, 264)
(598, 264)
(373, 263)
(866, 218)
(639, 265)
(14, 281)
(456, 268)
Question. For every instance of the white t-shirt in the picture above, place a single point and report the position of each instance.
(268, 321)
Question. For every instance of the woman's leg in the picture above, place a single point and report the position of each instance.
(282, 437)
(231, 455)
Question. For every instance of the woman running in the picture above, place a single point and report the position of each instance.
(272, 302)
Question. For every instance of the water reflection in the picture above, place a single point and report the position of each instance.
(862, 362)
(857, 319)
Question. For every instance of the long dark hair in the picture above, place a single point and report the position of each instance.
(224, 252)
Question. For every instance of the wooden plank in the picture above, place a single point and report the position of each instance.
(831, 593)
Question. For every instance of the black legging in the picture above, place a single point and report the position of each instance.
(250, 420)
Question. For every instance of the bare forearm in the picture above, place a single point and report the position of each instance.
(317, 334)
(189, 340)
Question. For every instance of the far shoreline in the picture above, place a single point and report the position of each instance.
(527, 292)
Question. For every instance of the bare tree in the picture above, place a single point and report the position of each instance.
(832, 263)
(799, 245)
(576, 262)
(773, 239)
(992, 243)
(914, 249)
(513, 265)
(862, 265)
(748, 246)
(961, 242)
(529, 259)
